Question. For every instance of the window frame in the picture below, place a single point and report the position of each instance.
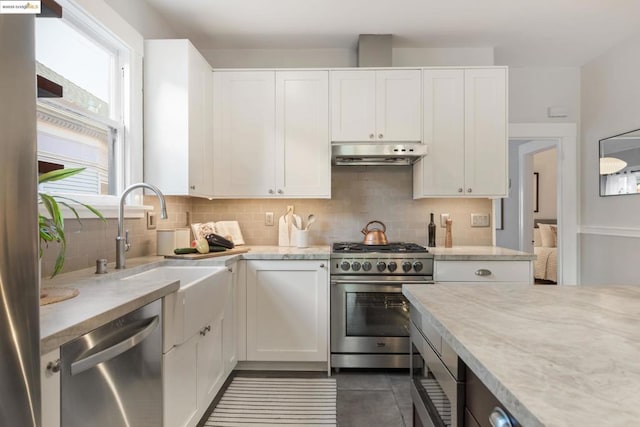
(116, 35)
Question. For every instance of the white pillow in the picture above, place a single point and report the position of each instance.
(536, 237)
(547, 235)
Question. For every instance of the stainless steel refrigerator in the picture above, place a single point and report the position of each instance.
(19, 277)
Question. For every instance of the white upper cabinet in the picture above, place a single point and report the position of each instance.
(465, 131)
(376, 105)
(244, 145)
(303, 160)
(177, 128)
(271, 136)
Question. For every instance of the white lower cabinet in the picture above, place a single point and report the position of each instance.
(470, 272)
(195, 368)
(287, 310)
(50, 388)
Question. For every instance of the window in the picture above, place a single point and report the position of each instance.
(85, 127)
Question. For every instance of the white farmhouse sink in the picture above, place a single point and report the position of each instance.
(200, 298)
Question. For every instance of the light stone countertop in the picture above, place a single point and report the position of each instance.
(555, 356)
(479, 253)
(106, 297)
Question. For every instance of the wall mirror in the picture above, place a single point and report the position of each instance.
(620, 164)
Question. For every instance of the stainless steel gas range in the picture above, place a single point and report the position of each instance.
(369, 315)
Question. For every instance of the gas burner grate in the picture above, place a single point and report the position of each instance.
(398, 247)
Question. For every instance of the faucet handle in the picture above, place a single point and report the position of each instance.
(127, 245)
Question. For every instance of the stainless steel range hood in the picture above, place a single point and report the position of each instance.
(370, 154)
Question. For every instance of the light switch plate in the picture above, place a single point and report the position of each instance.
(480, 220)
(443, 220)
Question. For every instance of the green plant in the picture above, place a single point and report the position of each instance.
(52, 229)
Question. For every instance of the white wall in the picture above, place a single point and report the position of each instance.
(610, 105)
(545, 164)
(143, 18)
(301, 58)
(533, 90)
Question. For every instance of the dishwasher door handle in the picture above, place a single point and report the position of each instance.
(117, 349)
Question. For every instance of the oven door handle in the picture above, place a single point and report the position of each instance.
(381, 282)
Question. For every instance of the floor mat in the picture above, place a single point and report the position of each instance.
(278, 401)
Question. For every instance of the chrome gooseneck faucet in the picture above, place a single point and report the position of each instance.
(122, 242)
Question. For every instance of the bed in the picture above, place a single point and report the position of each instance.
(545, 242)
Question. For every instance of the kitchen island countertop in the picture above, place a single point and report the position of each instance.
(554, 356)
(103, 298)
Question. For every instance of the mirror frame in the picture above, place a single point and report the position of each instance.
(601, 191)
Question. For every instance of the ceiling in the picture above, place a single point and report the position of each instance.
(522, 32)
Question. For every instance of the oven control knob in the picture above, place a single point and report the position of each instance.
(381, 266)
(345, 265)
(406, 266)
(392, 266)
(366, 266)
(417, 266)
(355, 266)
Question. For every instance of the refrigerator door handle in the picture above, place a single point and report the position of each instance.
(107, 354)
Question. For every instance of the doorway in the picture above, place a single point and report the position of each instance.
(517, 230)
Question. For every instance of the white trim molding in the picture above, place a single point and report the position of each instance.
(568, 197)
(602, 230)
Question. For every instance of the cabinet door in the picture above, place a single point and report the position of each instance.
(210, 364)
(287, 311)
(303, 158)
(398, 105)
(200, 125)
(180, 376)
(244, 134)
(441, 171)
(353, 112)
(485, 132)
(50, 386)
(166, 115)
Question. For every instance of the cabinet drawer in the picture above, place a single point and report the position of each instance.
(482, 271)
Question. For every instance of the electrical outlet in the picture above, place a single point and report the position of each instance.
(268, 218)
(290, 207)
(443, 220)
(479, 220)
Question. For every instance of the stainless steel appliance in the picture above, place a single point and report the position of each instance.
(377, 153)
(369, 314)
(482, 408)
(112, 376)
(19, 273)
(437, 378)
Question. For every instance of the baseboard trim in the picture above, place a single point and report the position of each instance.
(281, 366)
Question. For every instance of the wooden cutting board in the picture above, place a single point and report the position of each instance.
(228, 252)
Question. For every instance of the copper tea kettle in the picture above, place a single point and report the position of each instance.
(374, 236)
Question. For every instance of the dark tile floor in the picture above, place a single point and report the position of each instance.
(373, 398)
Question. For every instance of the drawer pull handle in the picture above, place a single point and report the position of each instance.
(483, 272)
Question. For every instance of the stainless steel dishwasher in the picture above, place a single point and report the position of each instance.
(112, 376)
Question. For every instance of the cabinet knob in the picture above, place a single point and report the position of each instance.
(371, 136)
(321, 265)
(193, 187)
(380, 136)
(54, 367)
(498, 418)
(271, 191)
(230, 270)
(469, 190)
(459, 190)
(483, 272)
(280, 192)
